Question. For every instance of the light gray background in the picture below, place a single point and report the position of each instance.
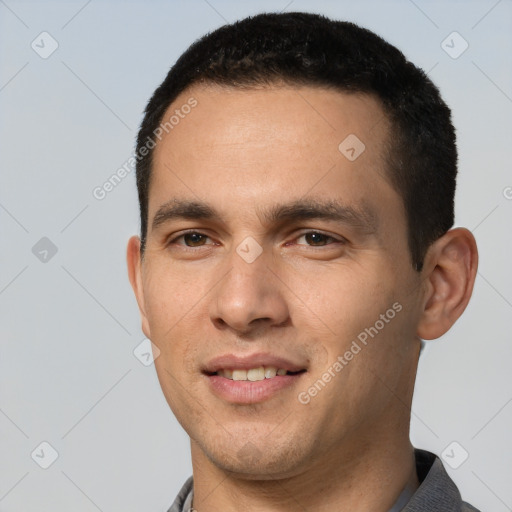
(69, 325)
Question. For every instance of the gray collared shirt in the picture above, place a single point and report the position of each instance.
(437, 491)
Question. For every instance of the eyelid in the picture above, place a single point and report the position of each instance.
(337, 239)
(173, 238)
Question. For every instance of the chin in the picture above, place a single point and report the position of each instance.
(263, 460)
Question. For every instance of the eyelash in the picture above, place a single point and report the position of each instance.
(188, 248)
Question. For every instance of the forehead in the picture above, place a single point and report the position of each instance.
(289, 113)
(250, 145)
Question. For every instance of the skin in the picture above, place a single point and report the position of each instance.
(305, 298)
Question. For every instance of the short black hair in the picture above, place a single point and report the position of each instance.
(304, 49)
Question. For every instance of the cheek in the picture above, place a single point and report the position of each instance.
(356, 323)
(174, 310)
(339, 300)
(171, 296)
(176, 370)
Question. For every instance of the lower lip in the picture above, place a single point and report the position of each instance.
(247, 392)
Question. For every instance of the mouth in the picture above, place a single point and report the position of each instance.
(254, 374)
(251, 379)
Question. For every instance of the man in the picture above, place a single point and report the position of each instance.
(296, 179)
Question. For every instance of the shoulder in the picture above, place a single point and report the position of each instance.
(437, 491)
(184, 497)
(466, 507)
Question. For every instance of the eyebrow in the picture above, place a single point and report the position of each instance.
(360, 217)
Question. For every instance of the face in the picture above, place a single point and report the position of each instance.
(277, 244)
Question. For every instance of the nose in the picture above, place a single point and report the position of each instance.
(249, 297)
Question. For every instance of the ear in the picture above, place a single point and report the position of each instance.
(134, 263)
(449, 273)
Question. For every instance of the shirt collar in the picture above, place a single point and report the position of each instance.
(437, 491)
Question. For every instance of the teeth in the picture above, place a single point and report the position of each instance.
(252, 375)
(239, 375)
(270, 372)
(256, 374)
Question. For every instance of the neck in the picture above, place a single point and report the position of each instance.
(369, 477)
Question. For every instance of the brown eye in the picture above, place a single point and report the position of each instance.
(317, 239)
(191, 239)
(195, 239)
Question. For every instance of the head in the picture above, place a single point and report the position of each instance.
(296, 180)
(310, 50)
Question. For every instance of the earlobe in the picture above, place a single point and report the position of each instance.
(133, 261)
(450, 271)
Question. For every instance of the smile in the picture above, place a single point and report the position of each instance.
(253, 374)
(251, 378)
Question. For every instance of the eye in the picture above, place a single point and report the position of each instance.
(190, 239)
(318, 239)
(193, 239)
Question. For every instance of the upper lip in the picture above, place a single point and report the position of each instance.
(246, 362)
